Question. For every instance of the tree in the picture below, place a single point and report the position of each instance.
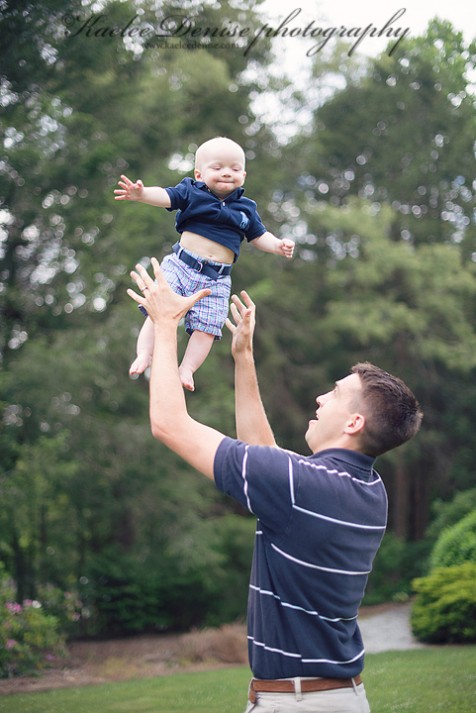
(402, 133)
(409, 309)
(81, 476)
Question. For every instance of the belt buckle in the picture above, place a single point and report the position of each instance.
(200, 266)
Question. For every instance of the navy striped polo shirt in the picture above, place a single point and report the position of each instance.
(321, 519)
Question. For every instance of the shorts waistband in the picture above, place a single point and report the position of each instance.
(211, 269)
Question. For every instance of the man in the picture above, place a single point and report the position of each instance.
(321, 518)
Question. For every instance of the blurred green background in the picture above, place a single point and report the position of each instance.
(369, 164)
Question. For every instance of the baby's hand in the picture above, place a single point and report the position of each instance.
(128, 190)
(286, 248)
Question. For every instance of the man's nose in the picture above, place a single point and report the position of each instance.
(321, 400)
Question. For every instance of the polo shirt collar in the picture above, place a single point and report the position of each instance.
(359, 462)
(237, 193)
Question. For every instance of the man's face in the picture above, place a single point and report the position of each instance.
(334, 415)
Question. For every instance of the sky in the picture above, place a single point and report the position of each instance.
(361, 13)
(292, 52)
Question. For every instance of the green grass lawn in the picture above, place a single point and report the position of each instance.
(418, 681)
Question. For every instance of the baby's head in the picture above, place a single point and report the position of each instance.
(220, 163)
(221, 147)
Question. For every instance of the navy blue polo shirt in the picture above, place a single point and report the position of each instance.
(321, 519)
(226, 221)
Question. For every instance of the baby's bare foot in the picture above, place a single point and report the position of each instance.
(140, 364)
(186, 377)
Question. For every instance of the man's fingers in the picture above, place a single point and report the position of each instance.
(159, 292)
(237, 306)
(247, 299)
(230, 325)
(200, 295)
(235, 314)
(242, 303)
(159, 275)
(135, 296)
(143, 275)
(240, 316)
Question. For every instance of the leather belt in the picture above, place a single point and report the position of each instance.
(308, 685)
(202, 266)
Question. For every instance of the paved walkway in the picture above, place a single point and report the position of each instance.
(389, 630)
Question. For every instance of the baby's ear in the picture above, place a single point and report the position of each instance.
(197, 174)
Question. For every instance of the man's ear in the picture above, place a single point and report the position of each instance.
(355, 424)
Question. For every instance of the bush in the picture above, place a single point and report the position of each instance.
(444, 610)
(456, 544)
(396, 564)
(448, 513)
(29, 638)
(67, 607)
(200, 581)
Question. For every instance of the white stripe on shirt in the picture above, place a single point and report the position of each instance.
(341, 473)
(315, 566)
(298, 656)
(311, 612)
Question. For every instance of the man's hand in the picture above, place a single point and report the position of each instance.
(128, 190)
(243, 312)
(252, 425)
(158, 298)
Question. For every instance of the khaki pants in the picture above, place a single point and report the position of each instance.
(340, 700)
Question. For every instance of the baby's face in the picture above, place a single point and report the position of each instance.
(222, 168)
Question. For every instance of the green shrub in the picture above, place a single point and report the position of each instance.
(200, 581)
(29, 638)
(67, 607)
(456, 544)
(448, 513)
(396, 564)
(444, 610)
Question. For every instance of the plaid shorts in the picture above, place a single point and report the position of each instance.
(208, 314)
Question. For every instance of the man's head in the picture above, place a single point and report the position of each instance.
(220, 163)
(369, 411)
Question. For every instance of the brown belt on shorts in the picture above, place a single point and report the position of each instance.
(308, 685)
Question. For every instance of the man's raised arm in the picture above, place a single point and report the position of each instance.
(169, 419)
(252, 425)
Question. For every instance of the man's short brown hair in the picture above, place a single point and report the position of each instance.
(392, 413)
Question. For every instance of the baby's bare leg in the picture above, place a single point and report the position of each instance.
(198, 348)
(144, 349)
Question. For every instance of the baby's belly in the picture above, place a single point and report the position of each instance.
(206, 248)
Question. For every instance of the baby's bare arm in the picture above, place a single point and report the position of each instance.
(269, 243)
(152, 195)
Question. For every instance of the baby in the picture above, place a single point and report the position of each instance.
(213, 216)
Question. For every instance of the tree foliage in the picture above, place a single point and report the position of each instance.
(87, 497)
(456, 544)
(403, 135)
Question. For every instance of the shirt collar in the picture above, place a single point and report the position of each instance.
(358, 461)
(237, 193)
